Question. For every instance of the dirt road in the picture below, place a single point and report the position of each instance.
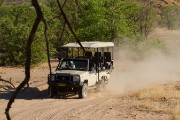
(33, 104)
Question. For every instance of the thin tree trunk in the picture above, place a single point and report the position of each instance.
(47, 41)
(62, 32)
(28, 56)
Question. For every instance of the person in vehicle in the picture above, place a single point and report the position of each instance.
(70, 65)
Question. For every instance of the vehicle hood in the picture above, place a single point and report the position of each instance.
(73, 72)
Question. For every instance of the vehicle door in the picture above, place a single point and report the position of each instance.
(92, 79)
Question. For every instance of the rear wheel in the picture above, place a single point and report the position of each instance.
(101, 85)
(83, 91)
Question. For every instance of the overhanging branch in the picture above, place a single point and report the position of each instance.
(70, 28)
(28, 57)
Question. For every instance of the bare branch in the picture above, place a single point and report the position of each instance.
(28, 56)
(77, 4)
(70, 28)
(58, 16)
(47, 42)
(6, 81)
(62, 33)
(38, 19)
(65, 1)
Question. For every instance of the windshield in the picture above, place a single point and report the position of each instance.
(73, 64)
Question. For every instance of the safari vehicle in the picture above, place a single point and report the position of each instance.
(79, 71)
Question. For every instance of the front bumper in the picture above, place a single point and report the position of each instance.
(66, 88)
(65, 85)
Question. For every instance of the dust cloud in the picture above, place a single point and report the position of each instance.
(132, 72)
(135, 74)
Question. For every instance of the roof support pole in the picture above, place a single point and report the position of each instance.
(78, 52)
(98, 64)
(72, 52)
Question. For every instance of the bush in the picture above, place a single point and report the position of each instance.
(171, 17)
(15, 25)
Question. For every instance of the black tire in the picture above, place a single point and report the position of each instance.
(83, 91)
(51, 92)
(111, 68)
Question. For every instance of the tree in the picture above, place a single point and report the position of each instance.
(171, 16)
(91, 20)
(147, 18)
(15, 26)
(39, 18)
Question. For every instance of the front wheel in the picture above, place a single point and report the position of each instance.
(51, 91)
(83, 91)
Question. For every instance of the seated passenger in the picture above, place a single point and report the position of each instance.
(70, 65)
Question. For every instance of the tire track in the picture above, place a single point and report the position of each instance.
(94, 107)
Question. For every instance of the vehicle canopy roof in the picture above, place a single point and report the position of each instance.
(94, 44)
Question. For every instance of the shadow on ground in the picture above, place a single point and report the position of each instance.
(26, 93)
(34, 93)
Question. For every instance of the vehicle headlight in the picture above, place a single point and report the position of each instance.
(76, 78)
(52, 77)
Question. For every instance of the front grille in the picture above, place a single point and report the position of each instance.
(63, 78)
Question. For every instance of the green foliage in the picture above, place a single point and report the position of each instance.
(106, 20)
(150, 44)
(147, 19)
(15, 26)
(90, 25)
(171, 16)
(92, 20)
(119, 18)
(13, 32)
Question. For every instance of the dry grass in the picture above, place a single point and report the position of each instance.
(160, 99)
